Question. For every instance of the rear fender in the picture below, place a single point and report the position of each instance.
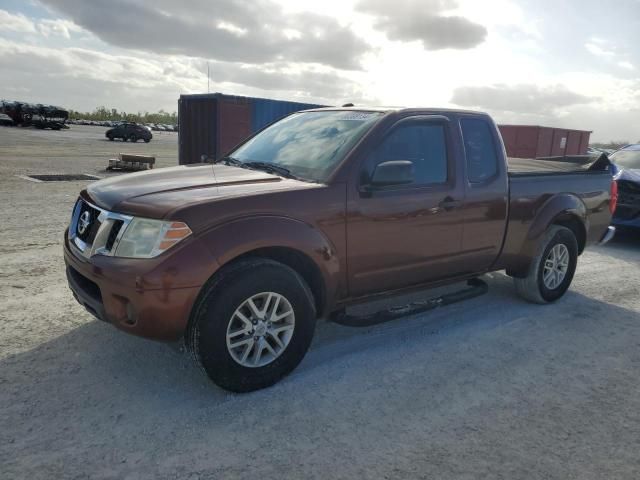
(561, 206)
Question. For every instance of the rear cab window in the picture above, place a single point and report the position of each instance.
(480, 150)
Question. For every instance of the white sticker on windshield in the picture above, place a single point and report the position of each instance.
(358, 116)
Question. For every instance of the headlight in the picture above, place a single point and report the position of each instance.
(146, 238)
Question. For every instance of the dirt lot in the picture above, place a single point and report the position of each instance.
(491, 388)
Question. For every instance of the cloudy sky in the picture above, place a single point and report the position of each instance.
(570, 63)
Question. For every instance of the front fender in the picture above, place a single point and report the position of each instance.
(241, 236)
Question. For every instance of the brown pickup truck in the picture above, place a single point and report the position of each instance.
(324, 209)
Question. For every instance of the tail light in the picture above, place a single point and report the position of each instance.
(614, 196)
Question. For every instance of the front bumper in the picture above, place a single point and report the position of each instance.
(152, 298)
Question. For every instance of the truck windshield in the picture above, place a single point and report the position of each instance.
(308, 144)
(627, 158)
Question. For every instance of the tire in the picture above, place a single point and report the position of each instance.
(215, 317)
(110, 137)
(533, 287)
(124, 138)
(133, 138)
(147, 140)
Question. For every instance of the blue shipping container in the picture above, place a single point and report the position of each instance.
(211, 124)
(265, 111)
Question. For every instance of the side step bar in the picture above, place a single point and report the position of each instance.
(475, 288)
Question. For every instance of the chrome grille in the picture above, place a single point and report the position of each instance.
(95, 231)
(88, 224)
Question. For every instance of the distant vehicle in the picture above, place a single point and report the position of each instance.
(5, 120)
(626, 170)
(129, 131)
(37, 115)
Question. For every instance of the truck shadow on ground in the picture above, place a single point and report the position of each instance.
(95, 378)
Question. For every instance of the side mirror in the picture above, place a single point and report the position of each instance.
(394, 172)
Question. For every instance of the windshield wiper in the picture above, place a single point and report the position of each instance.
(272, 168)
(230, 161)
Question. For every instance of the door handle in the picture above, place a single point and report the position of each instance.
(450, 203)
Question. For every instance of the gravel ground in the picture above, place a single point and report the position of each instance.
(490, 388)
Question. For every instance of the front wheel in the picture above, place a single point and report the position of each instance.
(147, 140)
(253, 325)
(552, 269)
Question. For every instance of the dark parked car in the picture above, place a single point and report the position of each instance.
(626, 168)
(129, 131)
(324, 209)
(6, 120)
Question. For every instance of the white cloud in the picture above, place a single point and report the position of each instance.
(213, 29)
(10, 22)
(82, 79)
(544, 55)
(19, 23)
(60, 27)
(535, 99)
(599, 50)
(428, 21)
(610, 53)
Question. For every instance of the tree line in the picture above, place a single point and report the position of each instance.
(105, 114)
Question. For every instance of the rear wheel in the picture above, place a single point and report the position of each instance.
(147, 140)
(552, 269)
(253, 325)
(110, 137)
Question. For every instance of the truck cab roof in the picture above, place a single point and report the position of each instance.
(400, 109)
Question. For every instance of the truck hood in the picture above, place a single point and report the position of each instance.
(155, 193)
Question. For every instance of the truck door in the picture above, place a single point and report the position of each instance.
(404, 234)
(486, 197)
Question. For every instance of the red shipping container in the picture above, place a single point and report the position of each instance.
(532, 141)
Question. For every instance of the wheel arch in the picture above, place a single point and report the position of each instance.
(561, 209)
(291, 242)
(576, 225)
(565, 210)
(300, 263)
(294, 259)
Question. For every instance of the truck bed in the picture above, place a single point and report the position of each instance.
(557, 165)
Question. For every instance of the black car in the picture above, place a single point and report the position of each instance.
(129, 131)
